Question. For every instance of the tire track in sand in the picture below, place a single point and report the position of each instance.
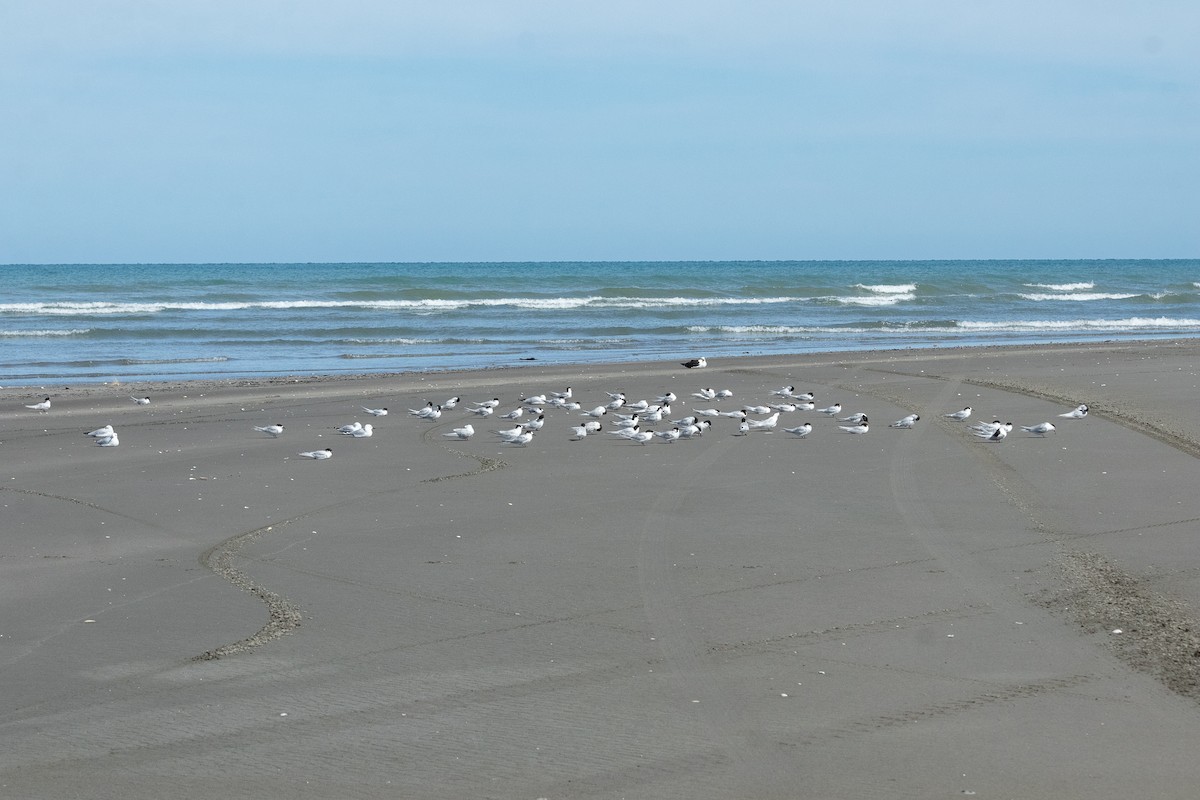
(283, 615)
(1161, 636)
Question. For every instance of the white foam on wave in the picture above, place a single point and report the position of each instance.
(648, 302)
(887, 288)
(1082, 297)
(1063, 287)
(591, 342)
(65, 309)
(1014, 326)
(106, 308)
(809, 330)
(875, 300)
(551, 303)
(772, 329)
(427, 305)
(363, 356)
(1131, 324)
(71, 332)
(393, 340)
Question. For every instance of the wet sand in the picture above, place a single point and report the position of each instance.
(907, 613)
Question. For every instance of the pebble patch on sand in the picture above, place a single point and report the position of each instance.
(1150, 632)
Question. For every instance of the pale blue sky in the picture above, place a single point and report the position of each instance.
(375, 130)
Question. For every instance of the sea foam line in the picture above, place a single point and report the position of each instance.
(875, 300)
(887, 288)
(426, 305)
(1063, 287)
(772, 329)
(1130, 324)
(1079, 296)
(70, 332)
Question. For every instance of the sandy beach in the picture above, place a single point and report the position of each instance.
(913, 613)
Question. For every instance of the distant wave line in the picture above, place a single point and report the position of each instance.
(1063, 287)
(70, 332)
(590, 342)
(776, 329)
(1085, 297)
(399, 340)
(427, 305)
(888, 288)
(1131, 324)
(950, 327)
(875, 300)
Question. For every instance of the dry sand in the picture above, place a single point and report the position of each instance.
(906, 614)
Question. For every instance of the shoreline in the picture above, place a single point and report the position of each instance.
(916, 612)
(532, 362)
(817, 357)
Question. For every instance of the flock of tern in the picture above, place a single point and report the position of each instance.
(106, 436)
(645, 421)
(638, 421)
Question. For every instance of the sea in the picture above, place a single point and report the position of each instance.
(84, 323)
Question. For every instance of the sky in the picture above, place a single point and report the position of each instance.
(486, 130)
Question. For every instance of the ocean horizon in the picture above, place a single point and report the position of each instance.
(145, 322)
